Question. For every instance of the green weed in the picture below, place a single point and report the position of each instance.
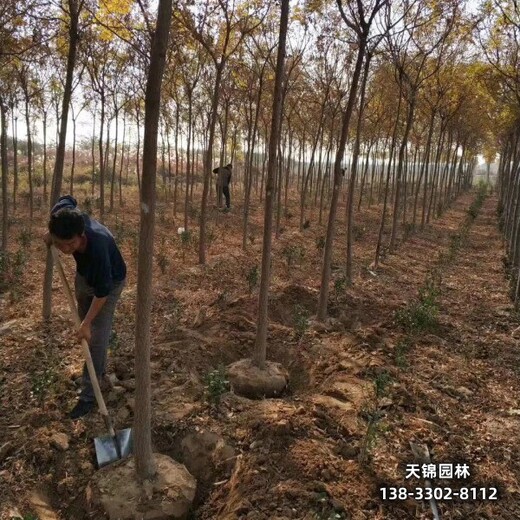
(12, 268)
(193, 212)
(320, 243)
(216, 385)
(25, 238)
(300, 320)
(417, 317)
(210, 237)
(162, 216)
(293, 254)
(326, 510)
(4, 268)
(401, 350)
(422, 315)
(373, 417)
(186, 239)
(409, 228)
(381, 382)
(252, 277)
(162, 256)
(41, 383)
(340, 285)
(358, 232)
(18, 265)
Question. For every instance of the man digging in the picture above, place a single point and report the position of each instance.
(100, 278)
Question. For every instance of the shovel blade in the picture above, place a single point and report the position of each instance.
(107, 449)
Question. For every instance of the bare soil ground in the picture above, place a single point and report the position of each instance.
(302, 456)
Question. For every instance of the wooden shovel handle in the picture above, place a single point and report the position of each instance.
(84, 345)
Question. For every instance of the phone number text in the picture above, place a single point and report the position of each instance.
(439, 493)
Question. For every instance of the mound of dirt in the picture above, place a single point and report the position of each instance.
(168, 496)
(249, 381)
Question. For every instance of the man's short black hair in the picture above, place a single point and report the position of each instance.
(67, 223)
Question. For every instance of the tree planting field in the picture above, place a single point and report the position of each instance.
(320, 318)
(362, 386)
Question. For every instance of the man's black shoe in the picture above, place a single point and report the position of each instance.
(82, 408)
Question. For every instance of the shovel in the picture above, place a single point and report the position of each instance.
(114, 446)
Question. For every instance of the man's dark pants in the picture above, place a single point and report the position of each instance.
(101, 328)
(225, 191)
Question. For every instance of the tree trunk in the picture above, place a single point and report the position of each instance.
(405, 185)
(509, 174)
(388, 173)
(234, 144)
(278, 189)
(57, 177)
(137, 155)
(122, 161)
(259, 357)
(264, 162)
(435, 177)
(288, 173)
(127, 168)
(300, 162)
(373, 170)
(102, 161)
(57, 111)
(249, 177)
(424, 169)
(29, 156)
(224, 132)
(326, 181)
(188, 160)
(169, 157)
(144, 460)
(93, 153)
(163, 157)
(331, 226)
(365, 174)
(400, 167)
(320, 170)
(73, 165)
(382, 168)
(308, 175)
(193, 158)
(355, 160)
(3, 152)
(45, 156)
(114, 164)
(176, 182)
(208, 162)
(14, 121)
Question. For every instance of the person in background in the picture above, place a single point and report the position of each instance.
(100, 278)
(223, 181)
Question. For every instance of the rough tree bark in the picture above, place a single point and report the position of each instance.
(353, 176)
(14, 125)
(75, 7)
(259, 356)
(3, 152)
(331, 226)
(145, 465)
